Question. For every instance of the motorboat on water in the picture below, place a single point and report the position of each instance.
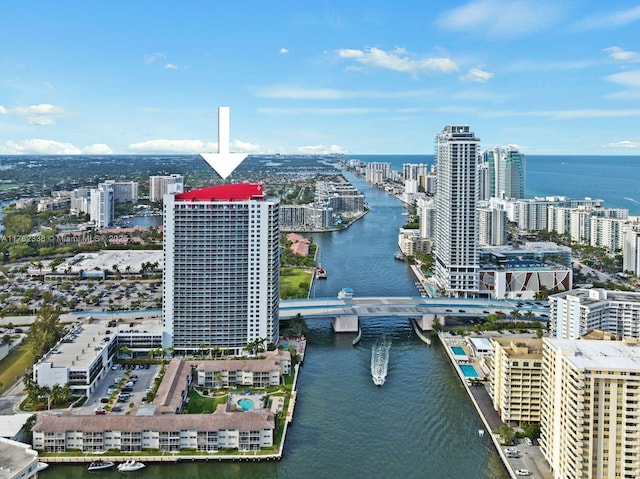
(380, 360)
(42, 466)
(130, 466)
(345, 293)
(100, 465)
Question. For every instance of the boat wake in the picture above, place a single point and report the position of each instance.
(380, 360)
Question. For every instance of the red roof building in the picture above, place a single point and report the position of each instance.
(227, 192)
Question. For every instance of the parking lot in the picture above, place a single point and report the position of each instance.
(141, 378)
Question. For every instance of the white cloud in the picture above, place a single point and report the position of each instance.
(621, 55)
(398, 60)
(477, 75)
(284, 50)
(238, 146)
(320, 150)
(501, 18)
(98, 149)
(623, 144)
(3, 110)
(43, 114)
(618, 18)
(173, 146)
(170, 66)
(48, 85)
(629, 78)
(153, 57)
(39, 146)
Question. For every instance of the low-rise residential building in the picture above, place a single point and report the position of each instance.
(244, 431)
(258, 373)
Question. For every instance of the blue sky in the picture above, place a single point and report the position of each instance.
(357, 77)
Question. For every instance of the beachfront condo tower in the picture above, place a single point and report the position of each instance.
(456, 238)
(222, 265)
(504, 173)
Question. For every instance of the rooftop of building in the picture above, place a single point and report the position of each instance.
(599, 355)
(11, 425)
(226, 192)
(254, 420)
(89, 336)
(597, 295)
(521, 347)
(14, 456)
(106, 259)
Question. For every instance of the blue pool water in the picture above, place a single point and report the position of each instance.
(469, 371)
(245, 404)
(458, 351)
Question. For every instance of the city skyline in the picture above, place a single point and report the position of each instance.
(356, 78)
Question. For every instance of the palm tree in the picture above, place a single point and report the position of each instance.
(45, 331)
(124, 350)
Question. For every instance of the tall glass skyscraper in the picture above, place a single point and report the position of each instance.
(456, 241)
(222, 266)
(503, 173)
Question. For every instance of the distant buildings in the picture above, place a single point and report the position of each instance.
(631, 250)
(165, 184)
(456, 241)
(333, 201)
(574, 313)
(222, 266)
(377, 172)
(502, 173)
(101, 207)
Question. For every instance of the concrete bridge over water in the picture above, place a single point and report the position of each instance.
(342, 311)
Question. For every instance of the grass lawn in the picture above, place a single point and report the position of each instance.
(14, 365)
(203, 404)
(291, 280)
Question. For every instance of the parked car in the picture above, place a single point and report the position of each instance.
(104, 400)
(522, 472)
(100, 411)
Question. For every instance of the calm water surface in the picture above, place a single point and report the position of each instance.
(420, 424)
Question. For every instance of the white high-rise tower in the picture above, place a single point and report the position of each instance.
(456, 241)
(222, 266)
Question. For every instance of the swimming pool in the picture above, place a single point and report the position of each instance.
(458, 351)
(469, 371)
(246, 404)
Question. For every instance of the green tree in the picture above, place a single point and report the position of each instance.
(507, 434)
(16, 224)
(46, 330)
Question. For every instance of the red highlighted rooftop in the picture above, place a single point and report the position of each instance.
(227, 192)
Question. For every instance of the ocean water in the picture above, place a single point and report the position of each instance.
(614, 179)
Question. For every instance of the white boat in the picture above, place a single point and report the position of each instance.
(100, 465)
(380, 360)
(130, 466)
(345, 293)
(42, 466)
